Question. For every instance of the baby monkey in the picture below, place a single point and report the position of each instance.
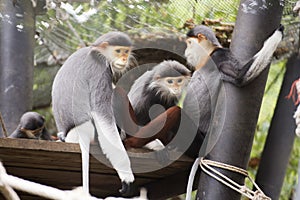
(31, 126)
(155, 92)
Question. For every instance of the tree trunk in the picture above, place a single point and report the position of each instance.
(281, 137)
(16, 60)
(255, 23)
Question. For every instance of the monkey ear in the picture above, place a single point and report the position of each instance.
(103, 45)
(201, 37)
(156, 77)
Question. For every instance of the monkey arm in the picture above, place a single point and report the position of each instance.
(261, 60)
(111, 145)
(167, 120)
(108, 136)
(238, 74)
(230, 68)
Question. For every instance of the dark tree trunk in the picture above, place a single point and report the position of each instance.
(253, 26)
(17, 29)
(281, 136)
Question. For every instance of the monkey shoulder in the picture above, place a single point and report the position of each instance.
(230, 68)
(84, 61)
(17, 133)
(137, 91)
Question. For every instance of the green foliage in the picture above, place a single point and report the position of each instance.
(273, 86)
(65, 34)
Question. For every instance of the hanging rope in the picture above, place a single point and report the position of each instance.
(207, 166)
(7, 182)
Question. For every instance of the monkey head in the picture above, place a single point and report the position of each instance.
(170, 79)
(31, 126)
(116, 48)
(201, 42)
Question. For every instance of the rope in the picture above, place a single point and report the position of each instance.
(7, 182)
(207, 167)
(191, 179)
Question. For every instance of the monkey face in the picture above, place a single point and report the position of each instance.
(198, 50)
(175, 84)
(121, 55)
(170, 87)
(192, 51)
(118, 57)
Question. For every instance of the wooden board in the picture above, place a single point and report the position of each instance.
(58, 164)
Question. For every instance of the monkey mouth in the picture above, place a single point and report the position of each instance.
(119, 66)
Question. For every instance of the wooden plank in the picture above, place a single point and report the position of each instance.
(173, 185)
(58, 164)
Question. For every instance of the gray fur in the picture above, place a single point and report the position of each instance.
(79, 88)
(142, 97)
(206, 31)
(31, 121)
(82, 95)
(114, 39)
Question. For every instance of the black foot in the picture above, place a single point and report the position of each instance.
(61, 136)
(281, 28)
(129, 189)
(125, 190)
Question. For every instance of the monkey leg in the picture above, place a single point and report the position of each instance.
(167, 120)
(123, 111)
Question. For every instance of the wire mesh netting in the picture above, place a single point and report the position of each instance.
(68, 26)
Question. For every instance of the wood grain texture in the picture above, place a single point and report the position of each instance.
(58, 164)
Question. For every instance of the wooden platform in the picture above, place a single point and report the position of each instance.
(59, 165)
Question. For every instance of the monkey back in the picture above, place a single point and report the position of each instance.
(82, 85)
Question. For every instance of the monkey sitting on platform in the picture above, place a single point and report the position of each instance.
(151, 94)
(82, 107)
(163, 85)
(31, 126)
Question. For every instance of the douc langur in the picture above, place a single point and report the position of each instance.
(151, 94)
(202, 44)
(202, 49)
(162, 85)
(81, 99)
(31, 126)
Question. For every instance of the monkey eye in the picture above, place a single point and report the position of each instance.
(170, 81)
(127, 51)
(179, 80)
(118, 50)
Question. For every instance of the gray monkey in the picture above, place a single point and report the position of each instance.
(31, 126)
(82, 106)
